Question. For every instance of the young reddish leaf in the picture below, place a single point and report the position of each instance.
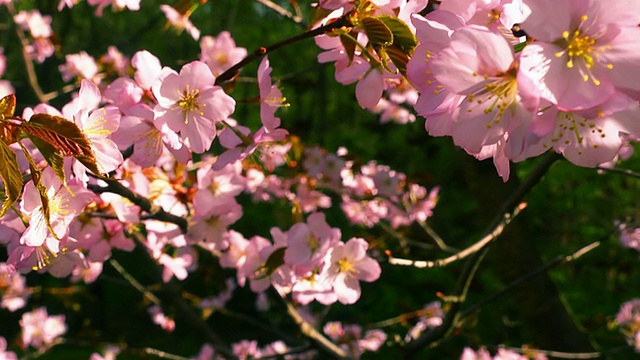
(55, 160)
(378, 33)
(399, 58)
(64, 136)
(11, 177)
(9, 130)
(8, 106)
(349, 45)
(36, 177)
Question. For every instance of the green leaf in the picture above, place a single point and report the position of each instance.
(519, 47)
(11, 177)
(275, 260)
(378, 33)
(64, 136)
(403, 37)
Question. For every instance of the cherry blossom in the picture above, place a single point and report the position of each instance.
(4, 354)
(628, 321)
(348, 264)
(584, 51)
(270, 97)
(40, 330)
(220, 52)
(189, 104)
(180, 21)
(79, 65)
(97, 125)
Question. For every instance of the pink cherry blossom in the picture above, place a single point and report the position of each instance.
(191, 105)
(4, 354)
(40, 330)
(39, 26)
(586, 138)
(64, 204)
(270, 97)
(220, 53)
(180, 21)
(241, 144)
(584, 51)
(348, 264)
(309, 242)
(97, 125)
(13, 287)
(133, 5)
(159, 318)
(178, 265)
(67, 3)
(628, 321)
(79, 65)
(479, 65)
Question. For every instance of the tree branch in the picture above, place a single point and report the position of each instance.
(156, 212)
(257, 54)
(451, 318)
(562, 259)
(466, 252)
(324, 344)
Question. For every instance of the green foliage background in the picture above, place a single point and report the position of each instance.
(571, 207)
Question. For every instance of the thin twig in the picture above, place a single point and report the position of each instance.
(568, 355)
(466, 252)
(450, 320)
(314, 335)
(163, 355)
(282, 11)
(401, 238)
(434, 235)
(135, 283)
(562, 259)
(620, 171)
(28, 62)
(257, 54)
(400, 318)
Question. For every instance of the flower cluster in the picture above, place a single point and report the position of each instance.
(501, 354)
(571, 88)
(357, 61)
(312, 262)
(628, 321)
(352, 340)
(40, 330)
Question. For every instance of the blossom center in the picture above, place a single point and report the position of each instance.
(345, 265)
(579, 46)
(314, 244)
(495, 98)
(189, 100)
(569, 124)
